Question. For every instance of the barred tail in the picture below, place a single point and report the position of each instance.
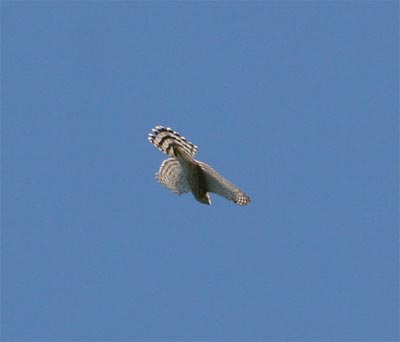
(165, 138)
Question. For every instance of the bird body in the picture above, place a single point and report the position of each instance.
(181, 173)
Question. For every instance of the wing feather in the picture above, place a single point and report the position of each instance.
(221, 186)
(172, 176)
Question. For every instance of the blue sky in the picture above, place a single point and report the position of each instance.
(295, 102)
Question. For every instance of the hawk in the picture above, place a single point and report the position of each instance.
(181, 173)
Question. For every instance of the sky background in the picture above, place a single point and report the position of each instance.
(295, 102)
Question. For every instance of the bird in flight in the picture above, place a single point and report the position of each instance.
(181, 173)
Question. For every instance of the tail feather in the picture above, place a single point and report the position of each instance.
(164, 138)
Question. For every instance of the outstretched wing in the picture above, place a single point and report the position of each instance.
(219, 185)
(172, 176)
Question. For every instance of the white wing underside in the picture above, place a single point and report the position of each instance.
(218, 184)
(172, 176)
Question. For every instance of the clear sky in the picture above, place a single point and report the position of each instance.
(295, 102)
